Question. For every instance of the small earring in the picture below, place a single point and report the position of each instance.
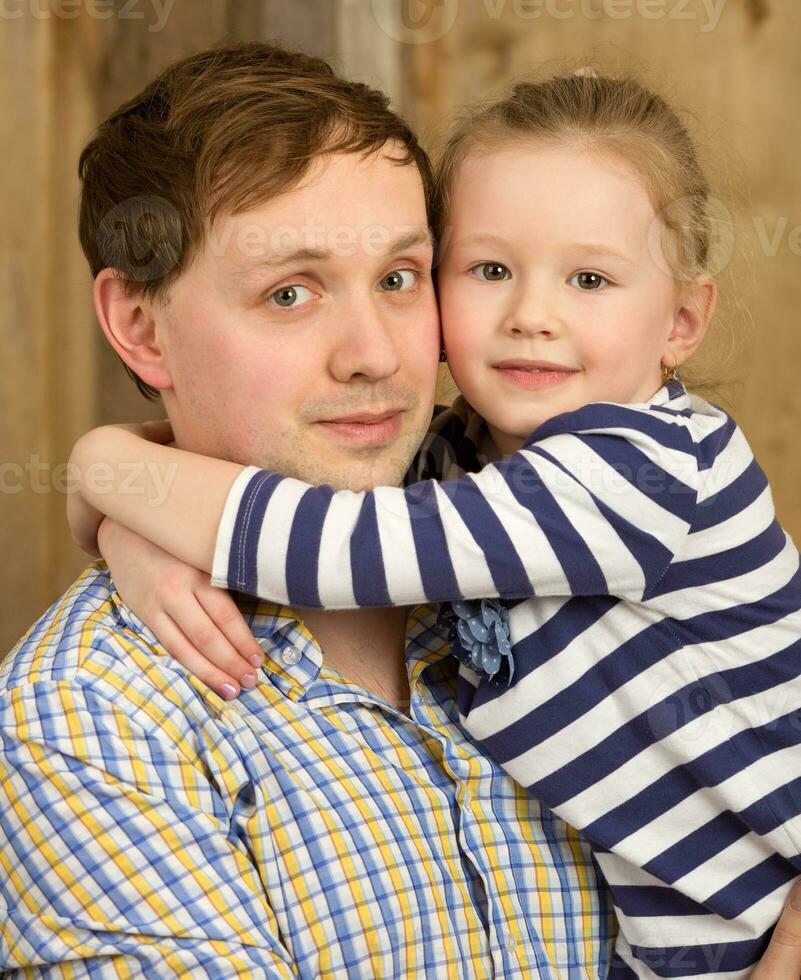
(669, 375)
(443, 357)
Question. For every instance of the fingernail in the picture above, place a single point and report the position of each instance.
(795, 897)
(229, 690)
(256, 661)
(248, 680)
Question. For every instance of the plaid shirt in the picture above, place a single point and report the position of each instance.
(307, 829)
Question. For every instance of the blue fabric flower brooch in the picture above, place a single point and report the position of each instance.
(478, 631)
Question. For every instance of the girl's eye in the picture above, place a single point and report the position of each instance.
(588, 280)
(491, 271)
(399, 280)
(288, 297)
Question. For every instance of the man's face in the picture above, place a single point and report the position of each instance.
(313, 307)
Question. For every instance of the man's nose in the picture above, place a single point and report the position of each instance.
(533, 309)
(366, 344)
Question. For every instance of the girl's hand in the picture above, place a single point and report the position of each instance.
(782, 959)
(198, 624)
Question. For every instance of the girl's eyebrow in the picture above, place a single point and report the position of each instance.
(480, 238)
(606, 250)
(487, 238)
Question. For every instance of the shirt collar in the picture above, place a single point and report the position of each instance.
(674, 395)
(470, 447)
(293, 658)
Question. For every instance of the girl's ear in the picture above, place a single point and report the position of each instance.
(690, 320)
(130, 328)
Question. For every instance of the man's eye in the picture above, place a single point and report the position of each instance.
(399, 280)
(289, 296)
(491, 272)
(588, 280)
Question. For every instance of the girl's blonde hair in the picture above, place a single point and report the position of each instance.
(614, 116)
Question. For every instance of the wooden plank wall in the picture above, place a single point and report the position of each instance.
(48, 377)
(734, 64)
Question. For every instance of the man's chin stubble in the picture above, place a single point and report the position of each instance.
(351, 469)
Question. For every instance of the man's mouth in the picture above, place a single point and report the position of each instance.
(369, 418)
(365, 428)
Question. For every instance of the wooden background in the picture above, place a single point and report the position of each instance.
(735, 65)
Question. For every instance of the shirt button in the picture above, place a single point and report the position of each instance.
(510, 941)
(290, 656)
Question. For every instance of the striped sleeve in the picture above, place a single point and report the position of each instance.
(116, 854)
(597, 502)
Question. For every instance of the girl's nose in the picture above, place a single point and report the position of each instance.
(533, 313)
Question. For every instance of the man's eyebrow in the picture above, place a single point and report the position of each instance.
(281, 259)
(419, 236)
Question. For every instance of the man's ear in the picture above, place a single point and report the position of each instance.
(690, 320)
(130, 328)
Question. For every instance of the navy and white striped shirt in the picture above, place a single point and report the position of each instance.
(656, 697)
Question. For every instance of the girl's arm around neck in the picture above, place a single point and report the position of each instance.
(172, 497)
(599, 508)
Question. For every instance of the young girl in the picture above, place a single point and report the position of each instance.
(645, 687)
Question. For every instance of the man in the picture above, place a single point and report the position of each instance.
(257, 232)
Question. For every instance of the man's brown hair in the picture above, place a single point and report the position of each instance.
(218, 133)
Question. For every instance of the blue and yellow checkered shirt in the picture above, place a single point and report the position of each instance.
(307, 829)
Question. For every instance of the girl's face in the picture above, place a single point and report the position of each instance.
(554, 256)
